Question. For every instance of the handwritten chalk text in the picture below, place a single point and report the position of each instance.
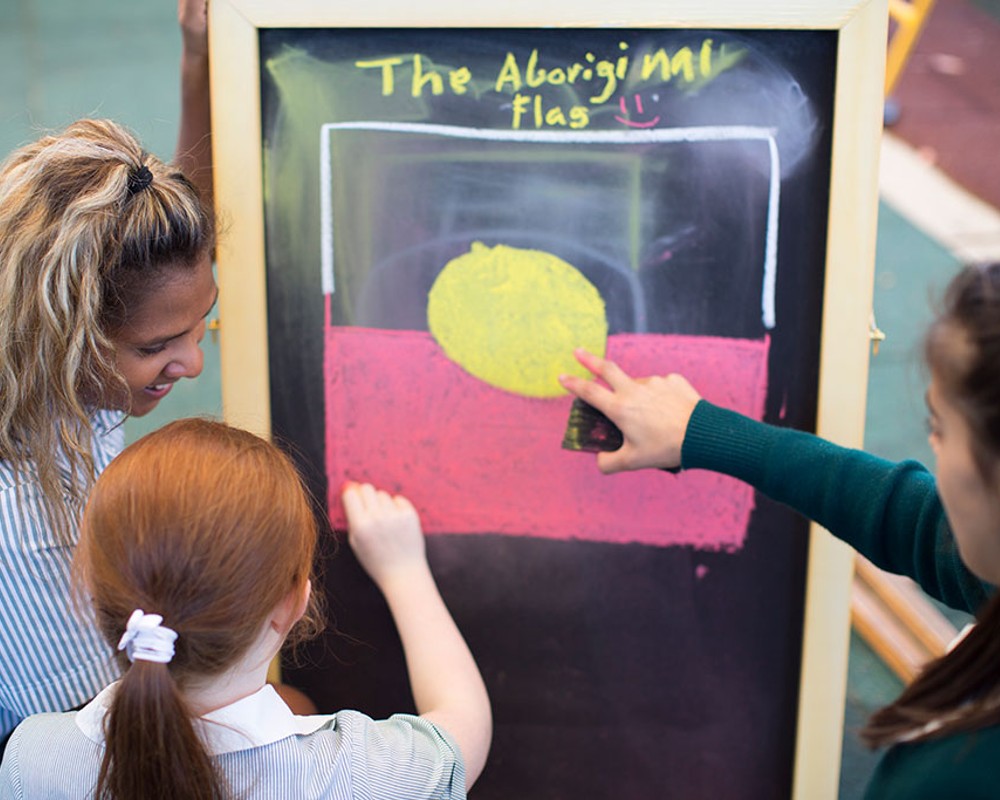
(587, 82)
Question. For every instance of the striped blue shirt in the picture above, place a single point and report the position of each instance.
(52, 658)
(262, 749)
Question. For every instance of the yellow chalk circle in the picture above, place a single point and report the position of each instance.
(511, 317)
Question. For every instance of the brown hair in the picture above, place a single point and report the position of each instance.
(210, 527)
(90, 226)
(961, 690)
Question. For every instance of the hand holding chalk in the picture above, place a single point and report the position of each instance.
(651, 413)
(384, 532)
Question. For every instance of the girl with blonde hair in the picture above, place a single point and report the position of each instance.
(105, 280)
(196, 550)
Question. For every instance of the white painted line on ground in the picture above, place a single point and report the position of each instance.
(962, 223)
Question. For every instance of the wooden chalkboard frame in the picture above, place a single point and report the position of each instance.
(853, 201)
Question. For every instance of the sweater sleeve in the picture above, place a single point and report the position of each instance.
(889, 512)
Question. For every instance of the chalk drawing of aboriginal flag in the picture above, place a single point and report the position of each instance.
(465, 267)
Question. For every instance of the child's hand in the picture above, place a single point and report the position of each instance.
(383, 531)
(652, 413)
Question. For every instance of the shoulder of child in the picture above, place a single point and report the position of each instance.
(37, 742)
(403, 750)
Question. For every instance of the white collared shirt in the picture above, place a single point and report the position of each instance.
(262, 749)
(254, 721)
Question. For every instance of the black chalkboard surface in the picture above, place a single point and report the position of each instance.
(686, 174)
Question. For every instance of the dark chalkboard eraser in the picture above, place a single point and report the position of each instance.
(589, 430)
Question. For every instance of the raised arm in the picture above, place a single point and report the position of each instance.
(889, 512)
(385, 535)
(194, 138)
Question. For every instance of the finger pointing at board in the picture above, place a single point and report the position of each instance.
(652, 413)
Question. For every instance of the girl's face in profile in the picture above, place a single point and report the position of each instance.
(161, 342)
(971, 501)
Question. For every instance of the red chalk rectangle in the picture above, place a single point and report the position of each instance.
(475, 459)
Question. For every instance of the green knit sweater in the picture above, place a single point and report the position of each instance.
(891, 514)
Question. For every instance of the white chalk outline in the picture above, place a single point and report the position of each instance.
(694, 134)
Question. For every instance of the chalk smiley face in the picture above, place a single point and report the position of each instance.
(627, 119)
(511, 317)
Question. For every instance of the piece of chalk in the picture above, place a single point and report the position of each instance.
(589, 430)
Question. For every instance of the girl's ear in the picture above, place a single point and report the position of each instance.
(290, 610)
(304, 595)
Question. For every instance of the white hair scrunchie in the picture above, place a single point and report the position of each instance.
(145, 638)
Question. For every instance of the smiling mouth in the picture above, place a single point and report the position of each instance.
(158, 388)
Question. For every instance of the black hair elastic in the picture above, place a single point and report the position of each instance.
(139, 179)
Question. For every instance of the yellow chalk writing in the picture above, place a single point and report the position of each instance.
(681, 63)
(533, 109)
(509, 73)
(421, 79)
(705, 58)
(386, 65)
(458, 80)
(554, 95)
(422, 76)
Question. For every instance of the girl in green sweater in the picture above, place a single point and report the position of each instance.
(943, 732)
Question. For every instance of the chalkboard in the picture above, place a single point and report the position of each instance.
(640, 635)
